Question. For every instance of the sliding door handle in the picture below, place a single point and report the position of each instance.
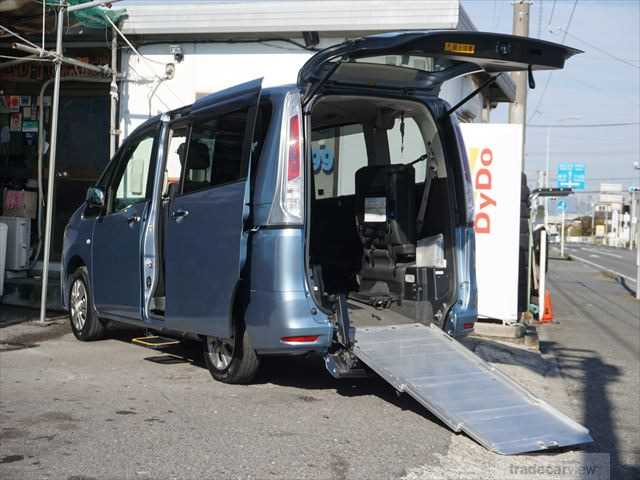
(179, 214)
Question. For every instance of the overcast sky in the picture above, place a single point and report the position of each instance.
(594, 86)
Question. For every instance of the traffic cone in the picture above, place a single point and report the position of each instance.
(547, 316)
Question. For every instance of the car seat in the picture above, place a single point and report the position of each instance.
(385, 217)
(199, 159)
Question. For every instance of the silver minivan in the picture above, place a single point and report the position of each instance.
(285, 220)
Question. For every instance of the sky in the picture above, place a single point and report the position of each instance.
(601, 85)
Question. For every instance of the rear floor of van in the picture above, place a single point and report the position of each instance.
(381, 211)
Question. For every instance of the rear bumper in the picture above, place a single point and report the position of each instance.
(272, 316)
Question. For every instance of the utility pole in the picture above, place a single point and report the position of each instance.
(546, 179)
(518, 109)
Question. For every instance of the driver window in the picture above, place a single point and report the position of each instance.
(132, 184)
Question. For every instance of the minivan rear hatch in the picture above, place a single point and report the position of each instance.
(423, 60)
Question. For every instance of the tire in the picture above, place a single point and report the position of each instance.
(85, 324)
(231, 361)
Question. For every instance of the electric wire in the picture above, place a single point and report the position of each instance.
(546, 85)
(584, 125)
(553, 9)
(601, 50)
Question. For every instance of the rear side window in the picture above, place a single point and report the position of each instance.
(214, 153)
(406, 144)
(333, 177)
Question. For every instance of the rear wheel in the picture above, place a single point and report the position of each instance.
(85, 323)
(231, 360)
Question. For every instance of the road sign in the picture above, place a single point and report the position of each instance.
(571, 175)
(561, 206)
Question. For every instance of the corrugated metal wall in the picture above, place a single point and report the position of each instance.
(210, 16)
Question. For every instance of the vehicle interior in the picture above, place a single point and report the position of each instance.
(380, 215)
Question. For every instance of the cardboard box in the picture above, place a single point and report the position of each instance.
(19, 203)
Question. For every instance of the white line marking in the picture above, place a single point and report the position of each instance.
(594, 255)
(601, 252)
(600, 267)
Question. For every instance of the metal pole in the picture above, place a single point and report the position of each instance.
(58, 56)
(114, 93)
(562, 236)
(11, 63)
(606, 225)
(518, 109)
(632, 225)
(542, 284)
(95, 3)
(52, 163)
(593, 224)
(638, 248)
(546, 179)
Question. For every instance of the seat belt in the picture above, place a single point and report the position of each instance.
(430, 175)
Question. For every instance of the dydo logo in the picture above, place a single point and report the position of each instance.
(481, 161)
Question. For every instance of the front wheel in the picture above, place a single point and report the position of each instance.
(84, 320)
(231, 360)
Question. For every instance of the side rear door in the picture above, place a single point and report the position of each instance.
(205, 242)
(116, 275)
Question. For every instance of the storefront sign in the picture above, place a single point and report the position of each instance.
(495, 158)
(41, 71)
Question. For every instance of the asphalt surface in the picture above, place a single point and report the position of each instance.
(619, 260)
(597, 346)
(114, 410)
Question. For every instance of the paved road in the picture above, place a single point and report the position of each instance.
(619, 260)
(597, 346)
(114, 410)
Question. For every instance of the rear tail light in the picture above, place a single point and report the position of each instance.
(300, 339)
(467, 326)
(293, 198)
(288, 205)
(293, 162)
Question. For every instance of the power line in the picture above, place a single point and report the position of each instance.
(546, 85)
(553, 9)
(601, 50)
(540, 15)
(584, 125)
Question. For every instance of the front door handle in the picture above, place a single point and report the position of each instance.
(133, 219)
(179, 214)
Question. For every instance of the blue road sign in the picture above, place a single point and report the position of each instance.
(571, 175)
(561, 206)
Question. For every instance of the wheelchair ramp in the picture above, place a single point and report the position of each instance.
(463, 391)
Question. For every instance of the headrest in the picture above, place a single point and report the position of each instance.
(198, 155)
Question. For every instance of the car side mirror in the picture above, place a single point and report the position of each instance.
(95, 197)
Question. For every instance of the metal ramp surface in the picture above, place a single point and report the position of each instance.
(464, 391)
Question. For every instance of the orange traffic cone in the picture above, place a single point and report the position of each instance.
(547, 316)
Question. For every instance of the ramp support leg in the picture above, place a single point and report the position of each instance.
(344, 325)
